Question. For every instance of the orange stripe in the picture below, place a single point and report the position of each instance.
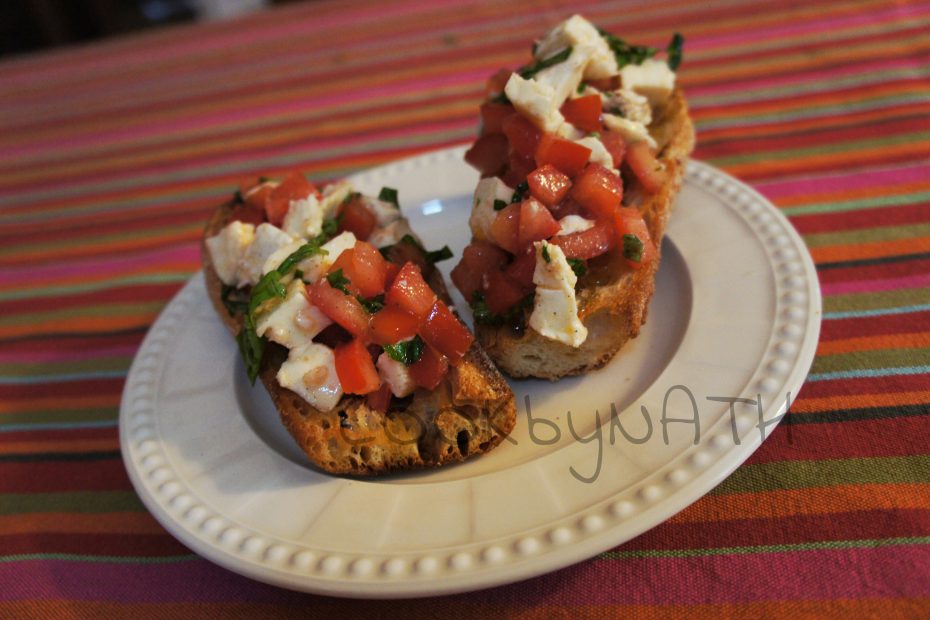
(49, 403)
(56, 446)
(859, 401)
(810, 501)
(917, 340)
(79, 325)
(876, 249)
(78, 523)
(885, 191)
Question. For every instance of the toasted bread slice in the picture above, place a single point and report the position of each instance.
(612, 299)
(469, 413)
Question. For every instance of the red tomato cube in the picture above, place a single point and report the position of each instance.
(356, 218)
(247, 214)
(522, 268)
(497, 82)
(583, 112)
(356, 371)
(567, 156)
(411, 293)
(502, 292)
(588, 243)
(293, 187)
(369, 269)
(505, 229)
(488, 155)
(339, 307)
(478, 259)
(598, 190)
(536, 222)
(645, 166)
(390, 325)
(493, 115)
(548, 185)
(444, 332)
(629, 221)
(519, 167)
(615, 145)
(522, 134)
(380, 399)
(429, 370)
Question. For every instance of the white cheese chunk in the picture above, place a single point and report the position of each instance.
(599, 154)
(294, 321)
(571, 224)
(304, 218)
(227, 249)
(631, 105)
(569, 132)
(334, 195)
(384, 212)
(563, 78)
(390, 234)
(630, 130)
(483, 213)
(310, 372)
(315, 267)
(278, 256)
(653, 79)
(268, 240)
(555, 308)
(578, 32)
(396, 375)
(536, 101)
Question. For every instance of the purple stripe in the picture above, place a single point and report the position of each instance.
(845, 181)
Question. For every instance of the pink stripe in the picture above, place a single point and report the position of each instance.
(874, 286)
(845, 181)
(97, 352)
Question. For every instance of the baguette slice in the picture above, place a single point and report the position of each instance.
(612, 300)
(469, 413)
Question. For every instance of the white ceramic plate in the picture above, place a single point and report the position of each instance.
(736, 314)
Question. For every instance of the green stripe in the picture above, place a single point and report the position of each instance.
(82, 502)
(806, 474)
(856, 360)
(860, 203)
(112, 559)
(90, 240)
(102, 310)
(59, 416)
(89, 287)
(66, 367)
(868, 235)
(880, 299)
(826, 545)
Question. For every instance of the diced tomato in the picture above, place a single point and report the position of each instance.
(258, 196)
(247, 214)
(356, 371)
(521, 133)
(519, 167)
(428, 371)
(369, 269)
(380, 399)
(505, 229)
(293, 187)
(645, 166)
(566, 207)
(503, 292)
(411, 293)
(496, 83)
(567, 156)
(536, 222)
(588, 243)
(583, 112)
(548, 185)
(443, 331)
(522, 268)
(390, 325)
(339, 307)
(629, 221)
(598, 190)
(356, 218)
(615, 145)
(345, 263)
(488, 155)
(606, 84)
(478, 258)
(493, 115)
(391, 270)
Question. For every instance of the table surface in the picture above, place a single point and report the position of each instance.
(112, 155)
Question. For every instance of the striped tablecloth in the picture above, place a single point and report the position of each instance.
(112, 155)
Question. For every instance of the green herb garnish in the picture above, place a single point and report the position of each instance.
(578, 266)
(338, 281)
(674, 51)
(528, 72)
(480, 310)
(520, 192)
(407, 352)
(625, 53)
(581, 87)
(499, 204)
(311, 248)
(371, 305)
(329, 228)
(232, 301)
(251, 347)
(632, 248)
(389, 194)
(545, 253)
(594, 134)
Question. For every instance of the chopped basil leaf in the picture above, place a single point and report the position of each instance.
(581, 87)
(233, 301)
(432, 256)
(528, 72)
(311, 248)
(578, 266)
(371, 305)
(267, 288)
(632, 248)
(480, 310)
(674, 51)
(545, 253)
(330, 228)
(338, 281)
(594, 134)
(520, 192)
(499, 204)
(251, 347)
(237, 197)
(625, 53)
(408, 352)
(484, 316)
(389, 194)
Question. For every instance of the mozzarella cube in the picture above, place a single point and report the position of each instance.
(536, 101)
(563, 78)
(599, 154)
(630, 130)
(268, 240)
(628, 104)
(390, 234)
(396, 375)
(316, 267)
(555, 307)
(571, 224)
(578, 32)
(278, 256)
(554, 273)
(483, 214)
(334, 195)
(304, 218)
(653, 79)
(227, 249)
(310, 372)
(384, 212)
(294, 321)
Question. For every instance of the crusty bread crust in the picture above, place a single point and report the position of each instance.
(612, 299)
(469, 413)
